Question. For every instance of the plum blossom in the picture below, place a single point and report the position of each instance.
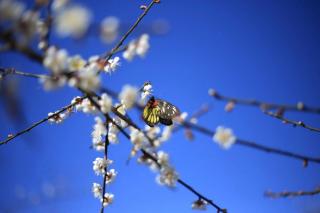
(109, 29)
(112, 65)
(128, 96)
(97, 190)
(73, 21)
(100, 165)
(224, 137)
(56, 60)
(107, 199)
(105, 103)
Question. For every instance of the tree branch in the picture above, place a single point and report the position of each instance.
(13, 136)
(286, 194)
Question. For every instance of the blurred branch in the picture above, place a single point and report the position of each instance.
(300, 107)
(8, 38)
(292, 122)
(286, 194)
(13, 136)
(12, 71)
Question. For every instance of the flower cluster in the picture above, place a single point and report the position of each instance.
(75, 70)
(109, 29)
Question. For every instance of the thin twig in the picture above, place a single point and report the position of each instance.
(13, 136)
(300, 107)
(286, 194)
(108, 55)
(253, 145)
(292, 122)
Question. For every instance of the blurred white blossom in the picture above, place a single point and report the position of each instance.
(105, 103)
(146, 90)
(168, 176)
(128, 96)
(97, 190)
(11, 10)
(137, 47)
(224, 137)
(73, 21)
(109, 29)
(59, 4)
(199, 204)
(56, 60)
(87, 78)
(110, 176)
(107, 199)
(76, 63)
(99, 131)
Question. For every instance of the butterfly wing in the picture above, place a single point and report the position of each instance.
(167, 110)
(151, 115)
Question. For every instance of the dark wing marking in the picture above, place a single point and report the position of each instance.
(167, 110)
(167, 122)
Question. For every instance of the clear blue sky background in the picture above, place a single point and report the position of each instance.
(267, 49)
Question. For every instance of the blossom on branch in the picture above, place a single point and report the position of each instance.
(137, 47)
(105, 103)
(107, 199)
(97, 190)
(224, 137)
(100, 165)
(112, 65)
(110, 176)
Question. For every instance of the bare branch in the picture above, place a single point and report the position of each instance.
(286, 194)
(300, 107)
(292, 122)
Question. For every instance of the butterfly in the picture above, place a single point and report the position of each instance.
(157, 110)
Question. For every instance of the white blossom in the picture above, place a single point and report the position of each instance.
(146, 90)
(109, 29)
(100, 165)
(128, 96)
(137, 47)
(143, 45)
(113, 133)
(107, 199)
(137, 138)
(97, 190)
(75, 63)
(11, 10)
(87, 78)
(112, 65)
(152, 132)
(56, 60)
(57, 117)
(224, 137)
(199, 204)
(166, 133)
(59, 4)
(168, 176)
(105, 103)
(110, 176)
(86, 106)
(130, 52)
(99, 131)
(73, 21)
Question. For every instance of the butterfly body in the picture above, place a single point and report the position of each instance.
(157, 110)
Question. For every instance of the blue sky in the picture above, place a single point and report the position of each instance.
(268, 50)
